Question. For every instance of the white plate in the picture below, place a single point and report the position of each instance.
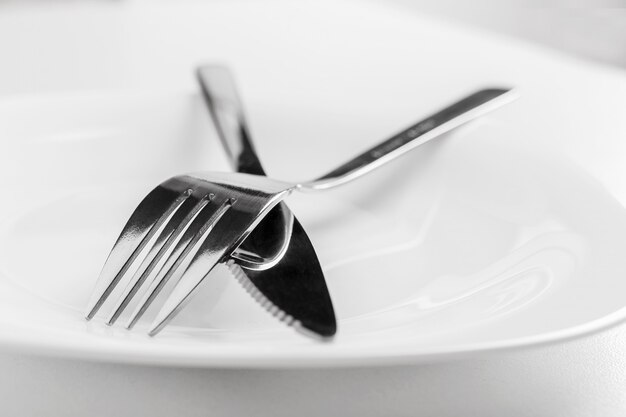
(473, 243)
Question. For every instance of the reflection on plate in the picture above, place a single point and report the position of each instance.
(474, 242)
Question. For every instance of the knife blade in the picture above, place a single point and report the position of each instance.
(294, 287)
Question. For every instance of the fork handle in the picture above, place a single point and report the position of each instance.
(218, 89)
(461, 112)
(224, 104)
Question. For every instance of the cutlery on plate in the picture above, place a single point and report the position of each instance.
(197, 220)
(280, 267)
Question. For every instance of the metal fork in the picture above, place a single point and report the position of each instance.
(198, 220)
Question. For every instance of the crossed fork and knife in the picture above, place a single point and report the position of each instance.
(190, 223)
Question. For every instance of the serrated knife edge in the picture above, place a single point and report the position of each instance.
(251, 289)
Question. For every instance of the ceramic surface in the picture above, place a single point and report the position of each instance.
(472, 243)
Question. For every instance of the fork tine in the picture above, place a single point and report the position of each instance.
(179, 221)
(246, 211)
(145, 221)
(197, 230)
(225, 236)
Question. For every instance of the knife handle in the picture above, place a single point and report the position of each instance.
(222, 99)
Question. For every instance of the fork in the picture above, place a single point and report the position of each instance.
(196, 221)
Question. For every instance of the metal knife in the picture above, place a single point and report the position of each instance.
(277, 263)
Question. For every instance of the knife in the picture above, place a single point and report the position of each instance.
(277, 263)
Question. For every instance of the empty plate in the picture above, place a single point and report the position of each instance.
(474, 242)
